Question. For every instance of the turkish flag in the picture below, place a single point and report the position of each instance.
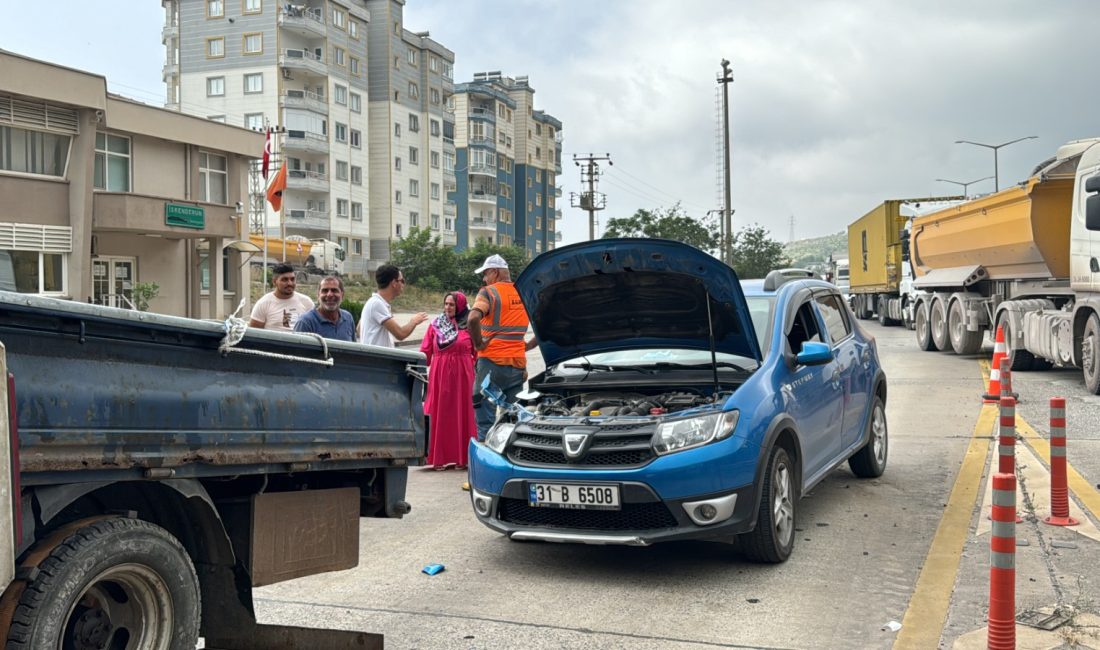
(275, 192)
(267, 154)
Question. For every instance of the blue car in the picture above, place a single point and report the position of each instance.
(677, 402)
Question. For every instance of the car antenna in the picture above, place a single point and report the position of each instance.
(713, 355)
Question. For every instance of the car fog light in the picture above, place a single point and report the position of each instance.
(483, 503)
(706, 512)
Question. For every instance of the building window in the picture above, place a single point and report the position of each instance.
(414, 156)
(396, 28)
(220, 119)
(215, 47)
(356, 175)
(215, 9)
(414, 219)
(341, 170)
(434, 126)
(338, 18)
(397, 129)
(448, 162)
(396, 63)
(356, 244)
(434, 156)
(342, 208)
(254, 121)
(253, 43)
(353, 66)
(435, 221)
(341, 132)
(397, 163)
(215, 86)
(448, 224)
(33, 152)
(38, 272)
(342, 242)
(538, 223)
(357, 211)
(338, 54)
(414, 123)
(538, 175)
(213, 178)
(435, 191)
(412, 56)
(448, 70)
(112, 162)
(538, 153)
(538, 200)
(254, 83)
(433, 63)
(340, 95)
(398, 230)
(357, 138)
(252, 6)
(356, 103)
(397, 196)
(434, 94)
(414, 187)
(414, 91)
(353, 29)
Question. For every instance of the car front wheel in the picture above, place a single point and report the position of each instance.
(773, 538)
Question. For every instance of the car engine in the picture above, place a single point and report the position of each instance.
(616, 403)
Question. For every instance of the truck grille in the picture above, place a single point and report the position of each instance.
(632, 516)
(613, 445)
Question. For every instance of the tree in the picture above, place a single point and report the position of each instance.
(673, 223)
(755, 252)
(424, 261)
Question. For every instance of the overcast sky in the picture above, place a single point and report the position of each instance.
(835, 106)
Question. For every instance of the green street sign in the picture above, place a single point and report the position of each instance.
(184, 216)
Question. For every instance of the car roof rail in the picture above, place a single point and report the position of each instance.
(779, 277)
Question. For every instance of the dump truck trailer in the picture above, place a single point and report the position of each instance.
(1024, 259)
(878, 249)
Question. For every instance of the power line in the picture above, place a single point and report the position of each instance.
(625, 184)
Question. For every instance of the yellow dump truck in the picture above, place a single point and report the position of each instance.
(1025, 259)
(878, 254)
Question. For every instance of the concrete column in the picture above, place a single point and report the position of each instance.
(217, 278)
(81, 201)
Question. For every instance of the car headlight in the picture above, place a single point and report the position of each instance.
(498, 436)
(677, 435)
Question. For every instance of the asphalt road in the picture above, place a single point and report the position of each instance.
(856, 568)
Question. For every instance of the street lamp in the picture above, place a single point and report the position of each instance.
(995, 147)
(966, 184)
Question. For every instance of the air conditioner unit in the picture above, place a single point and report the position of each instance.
(286, 73)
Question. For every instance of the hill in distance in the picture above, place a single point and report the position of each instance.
(815, 250)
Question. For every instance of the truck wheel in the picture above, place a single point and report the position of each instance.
(923, 328)
(1017, 359)
(1090, 355)
(883, 317)
(773, 538)
(870, 460)
(938, 321)
(114, 583)
(963, 341)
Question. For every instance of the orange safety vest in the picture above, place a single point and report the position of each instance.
(504, 326)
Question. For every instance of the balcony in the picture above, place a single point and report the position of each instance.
(169, 31)
(448, 237)
(557, 214)
(304, 21)
(483, 114)
(483, 169)
(304, 99)
(311, 219)
(557, 191)
(483, 196)
(483, 223)
(304, 141)
(169, 71)
(298, 179)
(482, 141)
(557, 236)
(449, 209)
(303, 61)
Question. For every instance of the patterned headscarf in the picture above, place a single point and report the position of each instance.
(446, 329)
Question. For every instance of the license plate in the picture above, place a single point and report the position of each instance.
(586, 497)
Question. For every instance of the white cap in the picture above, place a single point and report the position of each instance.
(492, 262)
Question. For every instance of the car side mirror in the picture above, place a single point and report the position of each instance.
(814, 354)
(1092, 203)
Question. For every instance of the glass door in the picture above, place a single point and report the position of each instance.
(113, 281)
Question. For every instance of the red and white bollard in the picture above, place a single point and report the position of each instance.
(1006, 385)
(1059, 491)
(1006, 449)
(1001, 631)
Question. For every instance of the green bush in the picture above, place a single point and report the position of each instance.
(354, 307)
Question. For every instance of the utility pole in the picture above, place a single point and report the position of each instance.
(590, 200)
(726, 78)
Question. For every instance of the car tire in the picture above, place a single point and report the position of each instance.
(1090, 355)
(870, 460)
(923, 327)
(937, 321)
(963, 341)
(110, 580)
(772, 540)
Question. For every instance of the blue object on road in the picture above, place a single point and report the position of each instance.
(433, 569)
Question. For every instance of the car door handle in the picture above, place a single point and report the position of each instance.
(836, 377)
(866, 358)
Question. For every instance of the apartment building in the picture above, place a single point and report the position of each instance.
(412, 147)
(300, 67)
(102, 193)
(508, 158)
(358, 101)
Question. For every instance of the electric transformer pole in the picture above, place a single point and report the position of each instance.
(590, 200)
(726, 78)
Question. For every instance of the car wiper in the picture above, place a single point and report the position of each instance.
(584, 365)
(721, 364)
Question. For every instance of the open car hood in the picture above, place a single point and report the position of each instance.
(622, 294)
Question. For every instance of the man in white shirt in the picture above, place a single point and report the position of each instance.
(377, 325)
(280, 309)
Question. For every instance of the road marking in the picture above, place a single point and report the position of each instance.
(1082, 489)
(924, 619)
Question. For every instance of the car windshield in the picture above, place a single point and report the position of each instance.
(649, 359)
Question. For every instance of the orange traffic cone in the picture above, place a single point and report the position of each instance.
(993, 393)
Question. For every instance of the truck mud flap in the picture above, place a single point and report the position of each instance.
(265, 637)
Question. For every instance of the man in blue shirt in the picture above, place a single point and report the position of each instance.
(328, 319)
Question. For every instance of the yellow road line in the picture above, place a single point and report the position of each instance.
(1082, 489)
(924, 619)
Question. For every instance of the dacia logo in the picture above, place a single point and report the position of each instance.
(575, 443)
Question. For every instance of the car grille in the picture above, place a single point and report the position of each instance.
(632, 516)
(614, 445)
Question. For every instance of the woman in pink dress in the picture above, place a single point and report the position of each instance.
(451, 357)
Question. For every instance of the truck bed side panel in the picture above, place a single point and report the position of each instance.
(874, 251)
